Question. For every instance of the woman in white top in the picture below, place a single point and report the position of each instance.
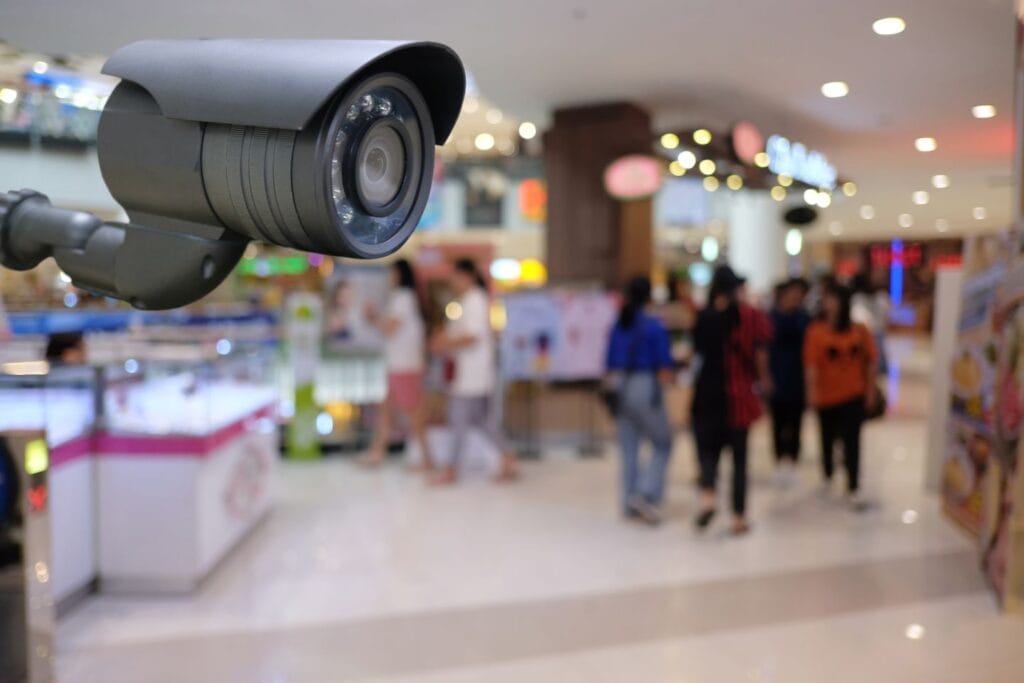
(404, 332)
(469, 343)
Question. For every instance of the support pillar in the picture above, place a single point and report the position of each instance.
(757, 247)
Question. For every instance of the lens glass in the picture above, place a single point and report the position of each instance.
(380, 165)
(376, 164)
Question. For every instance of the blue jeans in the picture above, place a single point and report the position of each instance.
(642, 416)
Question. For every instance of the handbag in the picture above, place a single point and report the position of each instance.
(881, 404)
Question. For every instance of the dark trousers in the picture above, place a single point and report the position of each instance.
(713, 435)
(842, 423)
(787, 418)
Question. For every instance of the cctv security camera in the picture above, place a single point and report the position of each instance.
(324, 146)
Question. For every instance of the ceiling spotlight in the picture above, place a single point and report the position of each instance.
(835, 89)
(941, 224)
(979, 213)
(867, 212)
(915, 632)
(669, 140)
(761, 160)
(824, 200)
(40, 67)
(8, 95)
(687, 158)
(811, 196)
(711, 183)
(676, 169)
(702, 136)
(849, 188)
(484, 142)
(494, 116)
(707, 166)
(785, 180)
(709, 249)
(794, 242)
(926, 144)
(734, 182)
(983, 111)
(527, 130)
(940, 181)
(778, 193)
(920, 198)
(905, 220)
(835, 228)
(889, 26)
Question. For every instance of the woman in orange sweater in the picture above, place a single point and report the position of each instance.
(841, 362)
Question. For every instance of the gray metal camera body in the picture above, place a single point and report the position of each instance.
(324, 146)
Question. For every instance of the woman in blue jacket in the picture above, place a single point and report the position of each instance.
(639, 362)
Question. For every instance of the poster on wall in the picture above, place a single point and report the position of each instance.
(352, 294)
(972, 440)
(556, 335)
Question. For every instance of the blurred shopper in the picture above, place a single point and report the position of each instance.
(789, 324)
(732, 341)
(870, 305)
(469, 342)
(5, 328)
(639, 362)
(841, 362)
(681, 312)
(66, 348)
(403, 327)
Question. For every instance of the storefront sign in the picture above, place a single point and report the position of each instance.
(798, 162)
(635, 176)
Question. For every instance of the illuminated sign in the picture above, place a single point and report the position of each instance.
(747, 141)
(37, 457)
(798, 162)
(635, 176)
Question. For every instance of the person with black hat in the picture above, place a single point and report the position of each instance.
(731, 339)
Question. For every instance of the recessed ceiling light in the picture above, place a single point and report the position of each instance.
(915, 632)
(834, 89)
(835, 228)
(669, 140)
(702, 136)
(979, 213)
(983, 111)
(707, 166)
(849, 188)
(778, 193)
(484, 142)
(734, 182)
(527, 130)
(926, 144)
(824, 200)
(920, 198)
(711, 183)
(940, 181)
(8, 95)
(889, 26)
(761, 160)
(867, 212)
(785, 180)
(811, 196)
(40, 67)
(941, 224)
(905, 220)
(687, 158)
(676, 169)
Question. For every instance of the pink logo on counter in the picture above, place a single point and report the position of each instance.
(635, 176)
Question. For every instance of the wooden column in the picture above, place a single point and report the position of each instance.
(592, 238)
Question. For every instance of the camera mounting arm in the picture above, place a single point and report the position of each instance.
(151, 269)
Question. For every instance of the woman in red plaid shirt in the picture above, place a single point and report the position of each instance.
(732, 340)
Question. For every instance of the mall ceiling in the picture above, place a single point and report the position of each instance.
(707, 62)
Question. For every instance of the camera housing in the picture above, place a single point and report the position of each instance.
(324, 146)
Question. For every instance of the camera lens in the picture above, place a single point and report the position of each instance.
(380, 165)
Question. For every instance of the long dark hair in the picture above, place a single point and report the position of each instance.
(467, 266)
(407, 280)
(636, 296)
(844, 295)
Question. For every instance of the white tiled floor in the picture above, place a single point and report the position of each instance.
(346, 545)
